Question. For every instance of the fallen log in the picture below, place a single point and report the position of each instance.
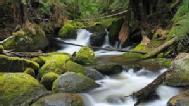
(107, 49)
(23, 54)
(161, 48)
(142, 94)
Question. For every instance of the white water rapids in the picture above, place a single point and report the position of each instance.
(114, 89)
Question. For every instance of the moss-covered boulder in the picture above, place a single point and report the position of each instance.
(69, 29)
(59, 63)
(85, 56)
(1, 49)
(109, 69)
(30, 38)
(179, 76)
(73, 83)
(30, 71)
(19, 89)
(38, 60)
(15, 64)
(179, 100)
(60, 99)
(97, 38)
(48, 79)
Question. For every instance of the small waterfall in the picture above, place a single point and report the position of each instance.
(83, 38)
(107, 40)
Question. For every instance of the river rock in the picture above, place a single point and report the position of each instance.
(179, 76)
(59, 63)
(19, 89)
(97, 39)
(48, 79)
(30, 38)
(60, 99)
(85, 56)
(94, 74)
(73, 83)
(15, 64)
(179, 100)
(109, 69)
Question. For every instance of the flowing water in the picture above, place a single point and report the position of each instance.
(115, 89)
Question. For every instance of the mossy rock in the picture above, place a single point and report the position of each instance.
(30, 71)
(73, 83)
(179, 100)
(59, 63)
(15, 64)
(109, 69)
(38, 60)
(19, 89)
(1, 48)
(48, 79)
(30, 38)
(69, 28)
(60, 99)
(179, 76)
(85, 56)
(133, 56)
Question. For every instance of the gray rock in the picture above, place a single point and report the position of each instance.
(179, 76)
(94, 74)
(109, 69)
(73, 83)
(60, 99)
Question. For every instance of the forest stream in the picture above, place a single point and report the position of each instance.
(114, 89)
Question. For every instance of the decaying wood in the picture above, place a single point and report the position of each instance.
(150, 88)
(107, 49)
(161, 48)
(124, 32)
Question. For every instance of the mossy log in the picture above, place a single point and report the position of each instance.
(161, 48)
(145, 92)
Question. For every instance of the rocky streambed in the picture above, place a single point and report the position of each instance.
(89, 78)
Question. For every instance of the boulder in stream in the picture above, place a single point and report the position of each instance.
(94, 74)
(73, 83)
(60, 99)
(179, 76)
(19, 89)
(59, 63)
(109, 68)
(85, 56)
(97, 39)
(179, 100)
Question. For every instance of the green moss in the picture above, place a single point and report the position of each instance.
(29, 38)
(1, 48)
(59, 63)
(140, 47)
(30, 71)
(133, 56)
(85, 56)
(19, 89)
(15, 64)
(48, 79)
(69, 28)
(38, 60)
